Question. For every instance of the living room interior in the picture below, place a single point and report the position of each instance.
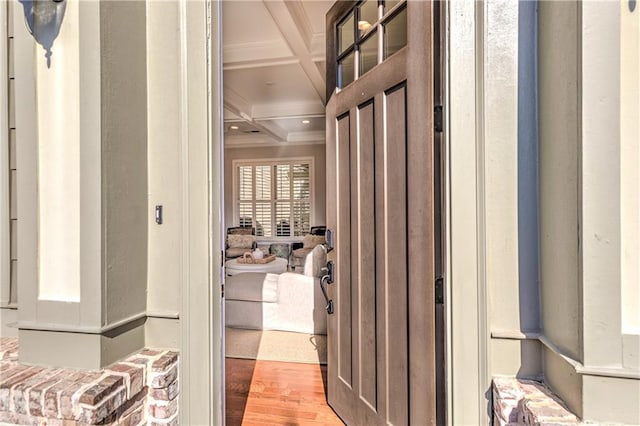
(274, 191)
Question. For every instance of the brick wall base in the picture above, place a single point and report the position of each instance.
(139, 390)
(527, 402)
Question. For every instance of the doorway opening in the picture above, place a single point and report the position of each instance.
(274, 211)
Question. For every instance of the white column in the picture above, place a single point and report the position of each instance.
(58, 121)
(83, 187)
(600, 184)
(630, 166)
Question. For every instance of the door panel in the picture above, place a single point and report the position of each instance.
(396, 255)
(343, 313)
(364, 275)
(381, 367)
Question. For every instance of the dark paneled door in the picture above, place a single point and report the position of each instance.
(381, 360)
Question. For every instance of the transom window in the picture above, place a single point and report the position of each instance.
(370, 33)
(274, 196)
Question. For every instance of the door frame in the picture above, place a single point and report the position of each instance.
(467, 347)
(201, 325)
(465, 286)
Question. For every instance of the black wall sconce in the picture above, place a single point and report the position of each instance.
(632, 5)
(44, 19)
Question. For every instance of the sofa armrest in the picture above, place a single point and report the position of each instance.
(295, 246)
(301, 305)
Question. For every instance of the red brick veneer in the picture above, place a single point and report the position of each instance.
(141, 389)
(527, 402)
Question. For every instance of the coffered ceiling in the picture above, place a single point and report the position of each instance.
(274, 71)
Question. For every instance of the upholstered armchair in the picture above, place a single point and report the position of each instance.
(287, 301)
(299, 251)
(240, 239)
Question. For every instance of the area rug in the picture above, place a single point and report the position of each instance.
(269, 345)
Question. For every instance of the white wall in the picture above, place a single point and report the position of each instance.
(124, 156)
(164, 154)
(492, 201)
(584, 167)
(558, 36)
(510, 187)
(559, 139)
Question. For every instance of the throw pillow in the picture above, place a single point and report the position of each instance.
(240, 241)
(310, 241)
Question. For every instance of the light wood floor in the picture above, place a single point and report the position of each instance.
(276, 393)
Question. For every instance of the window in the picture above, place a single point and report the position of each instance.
(370, 33)
(274, 196)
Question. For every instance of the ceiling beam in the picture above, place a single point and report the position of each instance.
(257, 141)
(236, 103)
(272, 129)
(240, 107)
(260, 63)
(290, 109)
(256, 52)
(312, 136)
(293, 24)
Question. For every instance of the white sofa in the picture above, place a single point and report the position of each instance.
(287, 301)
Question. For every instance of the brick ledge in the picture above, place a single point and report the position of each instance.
(527, 402)
(143, 387)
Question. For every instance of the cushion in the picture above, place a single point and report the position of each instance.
(252, 287)
(236, 252)
(244, 230)
(240, 241)
(315, 261)
(310, 241)
(280, 250)
(301, 252)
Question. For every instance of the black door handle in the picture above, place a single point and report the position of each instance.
(323, 282)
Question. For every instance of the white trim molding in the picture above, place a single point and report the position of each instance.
(5, 214)
(466, 311)
(201, 314)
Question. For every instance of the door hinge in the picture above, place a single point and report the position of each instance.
(222, 290)
(439, 291)
(437, 118)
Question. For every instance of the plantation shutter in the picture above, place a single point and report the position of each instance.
(274, 197)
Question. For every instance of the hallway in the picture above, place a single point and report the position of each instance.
(276, 393)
